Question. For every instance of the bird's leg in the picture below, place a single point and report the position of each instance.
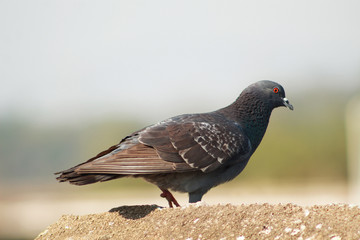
(166, 194)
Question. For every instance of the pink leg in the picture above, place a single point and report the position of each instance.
(166, 194)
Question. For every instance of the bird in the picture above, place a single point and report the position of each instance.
(189, 153)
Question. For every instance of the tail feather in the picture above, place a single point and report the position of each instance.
(73, 177)
(83, 179)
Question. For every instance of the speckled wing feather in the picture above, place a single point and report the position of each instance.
(181, 144)
(204, 142)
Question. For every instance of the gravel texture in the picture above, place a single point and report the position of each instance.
(200, 221)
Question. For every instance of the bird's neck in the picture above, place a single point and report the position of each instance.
(252, 114)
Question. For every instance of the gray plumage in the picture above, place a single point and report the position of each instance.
(189, 153)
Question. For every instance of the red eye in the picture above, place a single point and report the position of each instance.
(275, 90)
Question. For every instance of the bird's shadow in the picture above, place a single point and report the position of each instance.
(134, 212)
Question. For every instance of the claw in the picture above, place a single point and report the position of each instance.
(166, 194)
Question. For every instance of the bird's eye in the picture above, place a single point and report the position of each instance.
(275, 90)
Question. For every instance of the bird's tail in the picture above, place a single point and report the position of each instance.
(72, 176)
(75, 178)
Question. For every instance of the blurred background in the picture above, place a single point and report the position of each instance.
(78, 76)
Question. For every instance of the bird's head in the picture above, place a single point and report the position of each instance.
(271, 92)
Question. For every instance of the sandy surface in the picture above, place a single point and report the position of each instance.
(18, 206)
(198, 221)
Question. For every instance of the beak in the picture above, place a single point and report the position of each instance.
(287, 104)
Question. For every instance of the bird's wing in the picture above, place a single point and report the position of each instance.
(129, 157)
(203, 143)
(172, 146)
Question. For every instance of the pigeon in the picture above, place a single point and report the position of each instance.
(189, 153)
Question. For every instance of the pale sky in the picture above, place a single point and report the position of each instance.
(67, 60)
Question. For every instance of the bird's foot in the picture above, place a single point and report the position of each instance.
(166, 194)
